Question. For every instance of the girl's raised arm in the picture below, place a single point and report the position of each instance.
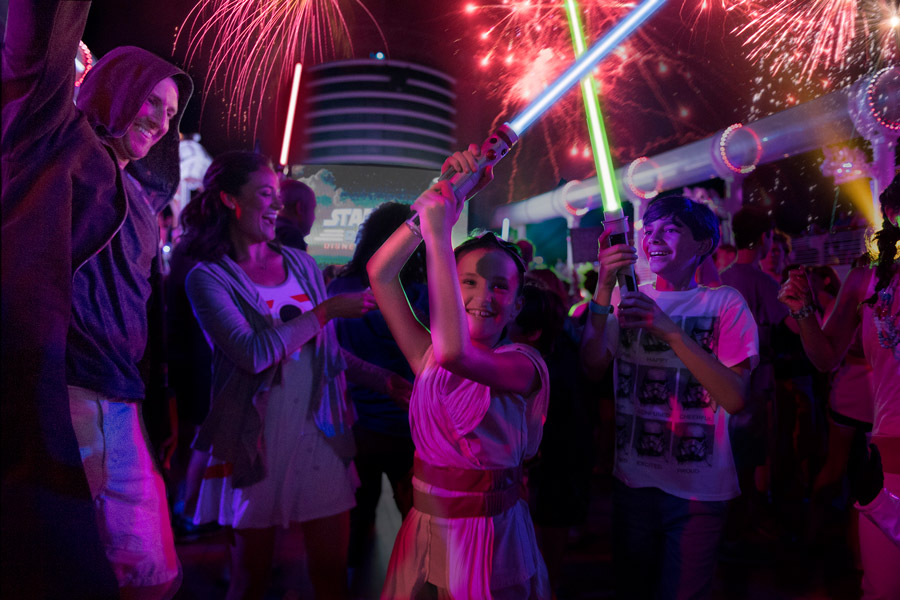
(452, 344)
(826, 345)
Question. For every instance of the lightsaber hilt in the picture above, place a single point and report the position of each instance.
(496, 146)
(617, 224)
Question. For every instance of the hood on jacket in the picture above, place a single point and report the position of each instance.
(111, 96)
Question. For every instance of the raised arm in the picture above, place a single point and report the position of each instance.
(38, 69)
(384, 268)
(452, 344)
(826, 345)
(256, 351)
(595, 354)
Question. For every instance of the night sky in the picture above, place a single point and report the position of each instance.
(687, 75)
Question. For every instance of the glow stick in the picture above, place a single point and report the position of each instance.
(612, 204)
(292, 106)
(584, 64)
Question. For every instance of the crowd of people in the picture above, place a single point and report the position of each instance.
(732, 396)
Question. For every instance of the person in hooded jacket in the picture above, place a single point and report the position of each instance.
(82, 185)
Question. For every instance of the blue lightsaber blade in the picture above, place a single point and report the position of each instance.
(498, 144)
(584, 64)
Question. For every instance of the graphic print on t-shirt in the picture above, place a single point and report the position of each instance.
(624, 377)
(703, 330)
(628, 338)
(655, 390)
(286, 301)
(292, 311)
(670, 433)
(693, 446)
(285, 306)
(691, 395)
(651, 442)
(664, 420)
(652, 344)
(624, 428)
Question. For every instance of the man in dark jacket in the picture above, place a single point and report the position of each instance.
(81, 189)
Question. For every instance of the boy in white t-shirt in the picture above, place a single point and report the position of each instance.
(682, 356)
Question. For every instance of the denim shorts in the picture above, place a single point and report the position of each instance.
(128, 491)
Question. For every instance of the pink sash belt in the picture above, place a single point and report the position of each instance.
(490, 491)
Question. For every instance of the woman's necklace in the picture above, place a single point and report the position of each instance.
(885, 322)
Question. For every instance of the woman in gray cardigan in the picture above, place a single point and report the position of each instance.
(279, 426)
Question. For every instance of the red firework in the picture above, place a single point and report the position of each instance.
(249, 43)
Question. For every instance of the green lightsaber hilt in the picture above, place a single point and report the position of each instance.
(617, 223)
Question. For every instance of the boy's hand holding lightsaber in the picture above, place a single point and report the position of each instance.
(614, 256)
(615, 228)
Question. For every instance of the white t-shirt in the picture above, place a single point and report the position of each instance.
(286, 301)
(667, 434)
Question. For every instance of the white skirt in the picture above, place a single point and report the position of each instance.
(305, 479)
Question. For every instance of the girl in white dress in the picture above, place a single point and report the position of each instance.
(278, 429)
(476, 412)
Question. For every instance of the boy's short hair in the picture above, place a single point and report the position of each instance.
(748, 224)
(695, 216)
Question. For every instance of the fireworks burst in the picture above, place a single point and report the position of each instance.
(819, 41)
(523, 45)
(697, 13)
(790, 51)
(250, 42)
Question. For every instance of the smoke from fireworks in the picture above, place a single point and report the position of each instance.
(247, 43)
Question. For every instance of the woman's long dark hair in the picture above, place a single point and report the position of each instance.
(886, 240)
(378, 227)
(205, 220)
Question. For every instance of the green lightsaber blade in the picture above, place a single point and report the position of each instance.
(599, 142)
(613, 218)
